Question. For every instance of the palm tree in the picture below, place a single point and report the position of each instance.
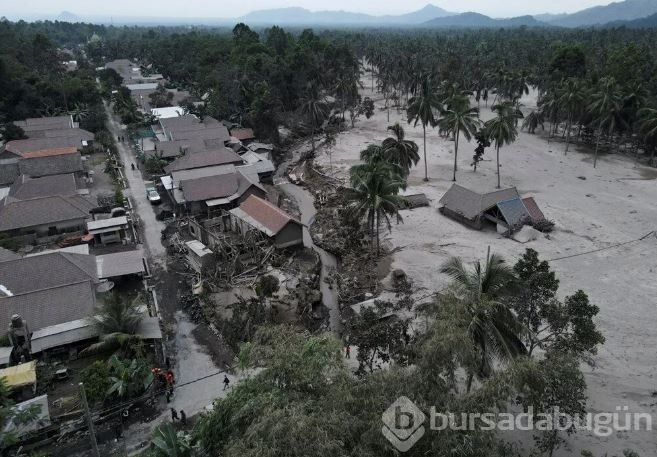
(606, 109)
(375, 196)
(648, 128)
(532, 121)
(459, 118)
(116, 321)
(570, 98)
(170, 443)
(129, 378)
(503, 129)
(492, 326)
(399, 151)
(315, 109)
(420, 109)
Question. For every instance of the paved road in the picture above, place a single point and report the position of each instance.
(136, 191)
(192, 362)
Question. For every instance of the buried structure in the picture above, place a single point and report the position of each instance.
(504, 207)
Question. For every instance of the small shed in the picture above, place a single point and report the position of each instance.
(258, 214)
(199, 255)
(108, 231)
(121, 264)
(20, 376)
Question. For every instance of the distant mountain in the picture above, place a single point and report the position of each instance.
(549, 17)
(627, 10)
(643, 23)
(302, 16)
(476, 20)
(67, 16)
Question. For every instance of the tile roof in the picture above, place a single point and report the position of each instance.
(471, 204)
(203, 159)
(6, 254)
(52, 306)
(51, 165)
(195, 173)
(21, 147)
(39, 272)
(45, 123)
(44, 210)
(49, 152)
(242, 134)
(209, 187)
(270, 218)
(63, 133)
(25, 188)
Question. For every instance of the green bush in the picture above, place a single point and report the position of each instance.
(96, 379)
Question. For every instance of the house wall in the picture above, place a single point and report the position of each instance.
(73, 225)
(253, 190)
(474, 223)
(291, 235)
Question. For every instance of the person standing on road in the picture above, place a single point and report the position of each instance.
(183, 417)
(226, 382)
(174, 415)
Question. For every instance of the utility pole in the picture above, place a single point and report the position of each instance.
(90, 422)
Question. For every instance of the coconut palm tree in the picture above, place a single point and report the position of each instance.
(420, 109)
(116, 321)
(648, 128)
(459, 118)
(502, 129)
(400, 151)
(374, 196)
(606, 109)
(315, 108)
(570, 98)
(492, 326)
(532, 121)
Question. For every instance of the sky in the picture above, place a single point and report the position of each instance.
(14, 9)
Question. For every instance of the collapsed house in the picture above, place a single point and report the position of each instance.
(258, 214)
(504, 208)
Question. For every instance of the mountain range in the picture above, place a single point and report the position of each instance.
(434, 16)
(630, 13)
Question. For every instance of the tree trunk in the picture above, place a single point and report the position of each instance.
(378, 241)
(424, 136)
(570, 121)
(595, 155)
(498, 166)
(456, 152)
(312, 139)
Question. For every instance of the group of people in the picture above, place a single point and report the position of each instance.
(182, 418)
(121, 139)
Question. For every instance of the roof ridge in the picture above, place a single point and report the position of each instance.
(58, 286)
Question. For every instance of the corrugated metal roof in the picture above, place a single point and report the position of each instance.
(120, 264)
(62, 334)
(116, 222)
(533, 209)
(513, 211)
(263, 215)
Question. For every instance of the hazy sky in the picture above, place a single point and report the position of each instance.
(233, 8)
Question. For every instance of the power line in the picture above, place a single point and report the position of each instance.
(644, 237)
